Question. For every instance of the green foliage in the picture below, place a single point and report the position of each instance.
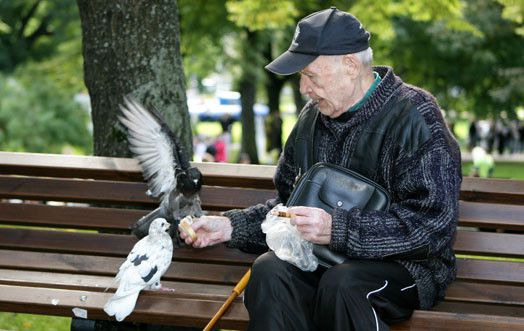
(379, 16)
(467, 71)
(33, 29)
(37, 116)
(514, 11)
(259, 15)
(504, 170)
(41, 61)
(202, 35)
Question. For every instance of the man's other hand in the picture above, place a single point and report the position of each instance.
(314, 224)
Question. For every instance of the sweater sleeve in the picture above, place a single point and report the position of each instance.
(422, 218)
(247, 233)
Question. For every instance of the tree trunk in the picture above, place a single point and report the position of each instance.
(247, 87)
(133, 48)
(273, 123)
(248, 92)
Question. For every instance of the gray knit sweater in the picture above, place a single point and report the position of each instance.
(424, 186)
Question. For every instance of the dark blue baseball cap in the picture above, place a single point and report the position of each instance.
(327, 32)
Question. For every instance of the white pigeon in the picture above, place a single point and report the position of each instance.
(147, 262)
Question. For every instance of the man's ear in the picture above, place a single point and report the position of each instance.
(352, 65)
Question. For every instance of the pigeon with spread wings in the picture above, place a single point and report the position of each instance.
(164, 165)
(146, 263)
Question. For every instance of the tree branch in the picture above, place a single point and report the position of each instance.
(25, 19)
(41, 31)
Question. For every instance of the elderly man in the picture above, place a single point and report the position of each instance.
(391, 132)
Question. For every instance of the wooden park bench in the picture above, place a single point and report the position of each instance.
(65, 231)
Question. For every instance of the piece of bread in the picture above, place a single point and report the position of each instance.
(280, 213)
(185, 226)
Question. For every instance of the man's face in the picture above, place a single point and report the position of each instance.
(327, 82)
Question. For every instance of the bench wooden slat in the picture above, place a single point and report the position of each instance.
(440, 321)
(467, 242)
(487, 293)
(127, 169)
(74, 190)
(492, 190)
(158, 308)
(108, 266)
(479, 308)
(102, 283)
(489, 244)
(71, 217)
(108, 245)
(222, 198)
(491, 215)
(501, 272)
(491, 271)
(68, 217)
(471, 214)
(68, 166)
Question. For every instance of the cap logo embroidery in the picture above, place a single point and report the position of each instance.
(297, 32)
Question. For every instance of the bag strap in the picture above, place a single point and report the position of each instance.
(304, 156)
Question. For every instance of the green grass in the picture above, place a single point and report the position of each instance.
(489, 258)
(22, 322)
(506, 170)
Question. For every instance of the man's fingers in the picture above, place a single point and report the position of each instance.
(198, 224)
(300, 211)
(295, 211)
(185, 237)
(302, 220)
(188, 241)
(208, 239)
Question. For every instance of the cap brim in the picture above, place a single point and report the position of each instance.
(290, 62)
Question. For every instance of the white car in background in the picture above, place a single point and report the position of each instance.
(225, 104)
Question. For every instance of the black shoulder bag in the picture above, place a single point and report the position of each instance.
(328, 186)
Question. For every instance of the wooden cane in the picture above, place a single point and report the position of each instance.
(239, 288)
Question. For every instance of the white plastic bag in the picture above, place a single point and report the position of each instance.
(285, 240)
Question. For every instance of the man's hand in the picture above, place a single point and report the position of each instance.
(314, 224)
(210, 230)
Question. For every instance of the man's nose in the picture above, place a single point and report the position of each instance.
(304, 86)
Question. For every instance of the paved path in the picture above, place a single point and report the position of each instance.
(516, 158)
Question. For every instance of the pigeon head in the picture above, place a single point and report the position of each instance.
(159, 225)
(189, 181)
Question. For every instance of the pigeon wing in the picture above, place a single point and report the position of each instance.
(164, 254)
(153, 144)
(144, 265)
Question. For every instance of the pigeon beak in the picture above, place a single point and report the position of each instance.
(168, 226)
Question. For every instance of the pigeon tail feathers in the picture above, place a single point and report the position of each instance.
(121, 307)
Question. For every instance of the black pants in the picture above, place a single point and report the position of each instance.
(356, 295)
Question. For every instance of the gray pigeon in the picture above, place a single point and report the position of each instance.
(147, 262)
(164, 165)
